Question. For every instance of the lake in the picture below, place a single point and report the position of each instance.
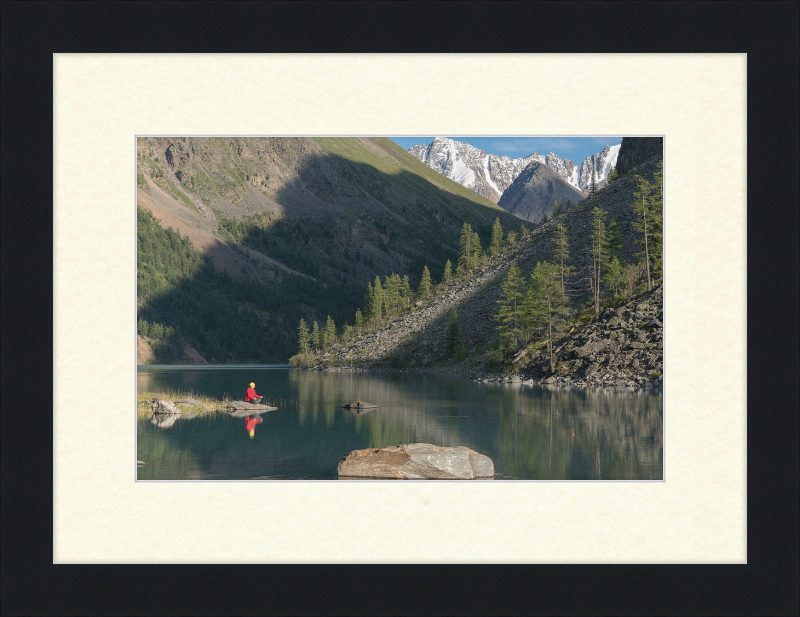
(530, 432)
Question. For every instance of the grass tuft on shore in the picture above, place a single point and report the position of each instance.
(143, 407)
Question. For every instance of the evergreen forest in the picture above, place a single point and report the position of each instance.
(182, 300)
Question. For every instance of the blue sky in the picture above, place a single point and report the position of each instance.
(574, 148)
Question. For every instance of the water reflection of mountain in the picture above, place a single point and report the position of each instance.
(599, 433)
(529, 432)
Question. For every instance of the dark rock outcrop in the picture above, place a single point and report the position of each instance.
(635, 150)
(416, 461)
(624, 347)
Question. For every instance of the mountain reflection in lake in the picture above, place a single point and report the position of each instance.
(530, 432)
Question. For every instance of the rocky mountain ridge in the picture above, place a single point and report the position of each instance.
(631, 356)
(535, 191)
(490, 175)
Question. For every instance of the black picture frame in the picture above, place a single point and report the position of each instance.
(766, 31)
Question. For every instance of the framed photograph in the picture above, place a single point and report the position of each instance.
(703, 531)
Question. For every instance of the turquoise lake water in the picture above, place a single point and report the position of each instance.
(530, 432)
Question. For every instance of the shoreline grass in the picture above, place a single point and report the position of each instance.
(143, 407)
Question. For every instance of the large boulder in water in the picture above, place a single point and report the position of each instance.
(243, 406)
(160, 406)
(416, 461)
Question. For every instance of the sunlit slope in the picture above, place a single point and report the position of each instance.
(335, 211)
(358, 206)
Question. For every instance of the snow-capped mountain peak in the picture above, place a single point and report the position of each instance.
(490, 175)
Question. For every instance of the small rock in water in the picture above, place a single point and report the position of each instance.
(140, 463)
(360, 405)
(417, 461)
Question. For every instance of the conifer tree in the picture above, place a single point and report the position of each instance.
(531, 316)
(523, 231)
(359, 323)
(477, 250)
(316, 337)
(451, 336)
(512, 292)
(496, 242)
(612, 175)
(557, 208)
(378, 300)
(614, 274)
(657, 251)
(156, 331)
(302, 337)
(647, 205)
(405, 291)
(368, 303)
(544, 218)
(398, 294)
(397, 284)
(594, 181)
(630, 273)
(598, 251)
(424, 283)
(448, 273)
(391, 291)
(511, 237)
(561, 254)
(614, 240)
(330, 332)
(465, 250)
(545, 281)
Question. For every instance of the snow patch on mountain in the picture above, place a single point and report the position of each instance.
(490, 175)
(462, 174)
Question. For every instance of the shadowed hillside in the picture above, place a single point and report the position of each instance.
(535, 191)
(418, 340)
(287, 228)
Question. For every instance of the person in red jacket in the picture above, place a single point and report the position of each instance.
(252, 397)
(251, 425)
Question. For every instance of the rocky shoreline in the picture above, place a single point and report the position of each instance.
(518, 378)
(623, 348)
